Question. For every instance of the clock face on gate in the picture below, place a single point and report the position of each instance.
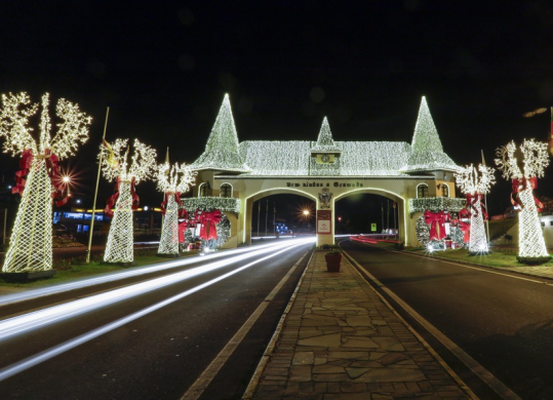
(325, 158)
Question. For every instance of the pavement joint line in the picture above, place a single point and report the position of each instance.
(495, 384)
(203, 381)
(254, 381)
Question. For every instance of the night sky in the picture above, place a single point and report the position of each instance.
(164, 67)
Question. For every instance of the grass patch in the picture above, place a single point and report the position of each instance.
(496, 258)
(74, 268)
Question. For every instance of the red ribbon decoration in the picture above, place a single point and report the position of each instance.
(182, 211)
(515, 201)
(465, 226)
(53, 170)
(208, 230)
(436, 222)
(473, 201)
(135, 198)
(112, 200)
(25, 165)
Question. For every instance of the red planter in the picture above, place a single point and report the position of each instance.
(333, 262)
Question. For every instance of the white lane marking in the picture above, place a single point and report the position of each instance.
(203, 381)
(497, 386)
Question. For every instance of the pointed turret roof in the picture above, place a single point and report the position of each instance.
(325, 142)
(221, 151)
(427, 153)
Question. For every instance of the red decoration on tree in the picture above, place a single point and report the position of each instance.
(53, 169)
(25, 165)
(208, 220)
(477, 200)
(112, 200)
(519, 185)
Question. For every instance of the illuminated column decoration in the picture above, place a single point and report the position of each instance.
(116, 167)
(30, 248)
(523, 166)
(475, 184)
(172, 180)
(119, 247)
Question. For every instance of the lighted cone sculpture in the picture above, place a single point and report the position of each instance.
(172, 180)
(116, 167)
(39, 180)
(475, 184)
(523, 166)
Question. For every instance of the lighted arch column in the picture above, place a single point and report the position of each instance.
(119, 247)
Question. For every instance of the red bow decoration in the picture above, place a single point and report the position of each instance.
(436, 222)
(25, 165)
(113, 198)
(135, 198)
(208, 220)
(53, 169)
(474, 201)
(515, 200)
(465, 226)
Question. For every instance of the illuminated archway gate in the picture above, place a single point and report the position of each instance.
(322, 170)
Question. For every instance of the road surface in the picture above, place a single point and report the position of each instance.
(153, 343)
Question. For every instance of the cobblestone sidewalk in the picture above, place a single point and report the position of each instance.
(341, 341)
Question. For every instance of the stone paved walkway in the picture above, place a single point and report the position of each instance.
(340, 341)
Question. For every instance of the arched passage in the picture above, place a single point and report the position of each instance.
(387, 200)
(248, 208)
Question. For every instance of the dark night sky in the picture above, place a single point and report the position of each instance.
(163, 68)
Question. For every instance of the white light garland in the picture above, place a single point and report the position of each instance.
(30, 248)
(221, 151)
(116, 166)
(436, 204)
(523, 166)
(427, 152)
(172, 180)
(208, 203)
(475, 183)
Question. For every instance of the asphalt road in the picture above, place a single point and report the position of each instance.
(502, 321)
(161, 354)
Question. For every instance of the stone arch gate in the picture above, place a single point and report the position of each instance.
(232, 174)
(338, 189)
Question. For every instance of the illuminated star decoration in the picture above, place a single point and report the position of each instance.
(30, 248)
(172, 180)
(523, 166)
(116, 166)
(476, 183)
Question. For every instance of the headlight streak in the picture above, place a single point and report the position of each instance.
(65, 287)
(20, 324)
(52, 352)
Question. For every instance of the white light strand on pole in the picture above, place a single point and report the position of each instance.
(115, 166)
(523, 166)
(475, 184)
(30, 248)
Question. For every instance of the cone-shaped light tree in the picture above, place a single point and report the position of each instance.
(524, 165)
(172, 180)
(475, 183)
(126, 173)
(30, 248)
